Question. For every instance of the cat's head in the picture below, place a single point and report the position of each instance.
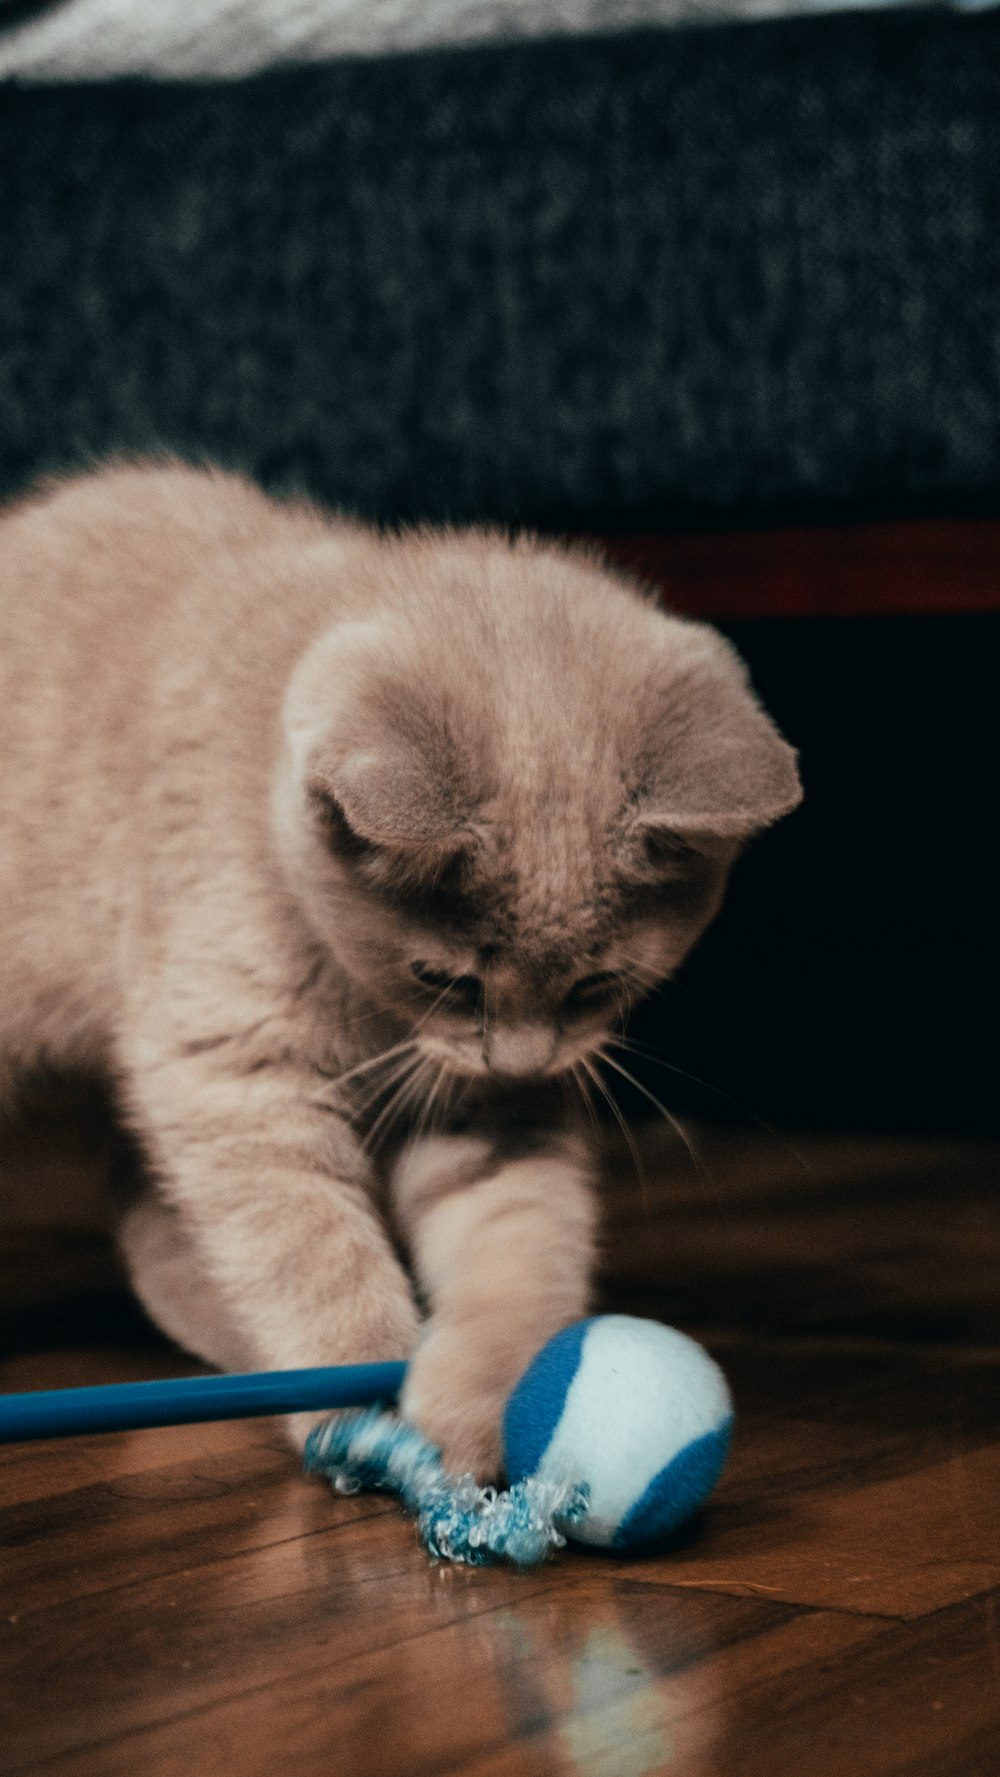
(511, 795)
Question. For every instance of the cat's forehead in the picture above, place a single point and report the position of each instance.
(525, 634)
(531, 907)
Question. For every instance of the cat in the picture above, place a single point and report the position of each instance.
(339, 854)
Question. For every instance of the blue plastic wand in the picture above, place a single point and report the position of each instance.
(186, 1400)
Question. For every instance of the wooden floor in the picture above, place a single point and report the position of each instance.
(183, 1602)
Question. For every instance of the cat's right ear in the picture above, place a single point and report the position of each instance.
(385, 786)
(333, 826)
(389, 816)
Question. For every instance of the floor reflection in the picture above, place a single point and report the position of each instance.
(619, 1687)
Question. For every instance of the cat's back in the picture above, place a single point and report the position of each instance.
(103, 575)
(134, 601)
(118, 545)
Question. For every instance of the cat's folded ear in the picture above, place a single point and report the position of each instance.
(714, 765)
(371, 752)
(385, 808)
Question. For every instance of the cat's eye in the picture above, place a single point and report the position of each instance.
(460, 992)
(592, 993)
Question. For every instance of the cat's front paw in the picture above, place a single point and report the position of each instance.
(452, 1398)
(299, 1425)
(388, 1335)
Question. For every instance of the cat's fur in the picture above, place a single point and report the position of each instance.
(257, 763)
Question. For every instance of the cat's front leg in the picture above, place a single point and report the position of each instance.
(272, 1195)
(502, 1244)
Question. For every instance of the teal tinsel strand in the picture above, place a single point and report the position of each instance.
(458, 1520)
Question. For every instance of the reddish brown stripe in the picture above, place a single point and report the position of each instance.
(867, 570)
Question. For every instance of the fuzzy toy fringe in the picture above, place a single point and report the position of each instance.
(458, 1520)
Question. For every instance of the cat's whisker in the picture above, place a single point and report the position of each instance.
(647, 1053)
(643, 971)
(432, 1102)
(366, 1066)
(406, 1049)
(624, 1006)
(443, 995)
(365, 1092)
(580, 1082)
(421, 1097)
(648, 981)
(593, 1075)
(415, 1096)
(648, 977)
(677, 985)
(695, 1157)
(386, 1120)
(378, 1011)
(401, 1095)
(399, 1075)
(489, 1014)
(650, 1053)
(465, 1084)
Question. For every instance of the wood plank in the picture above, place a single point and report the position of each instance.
(920, 1698)
(161, 1520)
(183, 1601)
(221, 1622)
(532, 1678)
(901, 1547)
(896, 1242)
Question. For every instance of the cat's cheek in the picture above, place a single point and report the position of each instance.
(450, 1396)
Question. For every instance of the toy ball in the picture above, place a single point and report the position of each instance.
(637, 1412)
(614, 1435)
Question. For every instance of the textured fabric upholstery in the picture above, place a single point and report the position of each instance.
(650, 274)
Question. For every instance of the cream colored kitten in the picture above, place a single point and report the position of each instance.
(338, 853)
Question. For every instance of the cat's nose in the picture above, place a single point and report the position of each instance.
(518, 1050)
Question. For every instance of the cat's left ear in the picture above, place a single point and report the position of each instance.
(714, 766)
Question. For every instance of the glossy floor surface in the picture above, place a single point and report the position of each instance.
(183, 1602)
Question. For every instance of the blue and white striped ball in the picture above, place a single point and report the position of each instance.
(637, 1411)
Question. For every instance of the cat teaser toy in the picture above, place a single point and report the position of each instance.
(616, 1433)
